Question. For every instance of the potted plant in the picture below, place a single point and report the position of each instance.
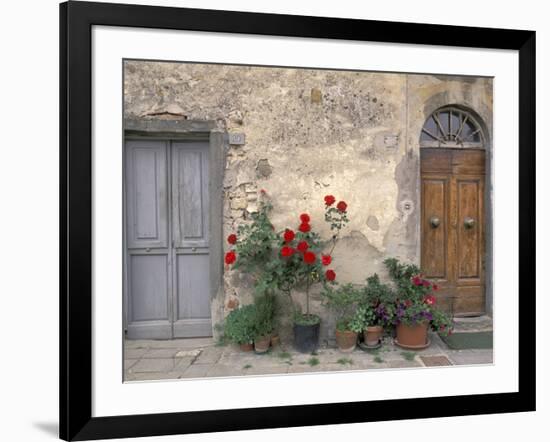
(304, 265)
(344, 301)
(415, 306)
(288, 260)
(347, 331)
(263, 322)
(377, 310)
(240, 327)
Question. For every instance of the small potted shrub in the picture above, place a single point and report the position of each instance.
(240, 327)
(377, 310)
(344, 301)
(347, 330)
(415, 306)
(263, 327)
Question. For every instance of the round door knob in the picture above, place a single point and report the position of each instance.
(435, 221)
(469, 222)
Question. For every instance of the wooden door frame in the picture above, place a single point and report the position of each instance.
(185, 130)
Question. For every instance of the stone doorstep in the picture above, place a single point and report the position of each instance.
(470, 357)
(473, 324)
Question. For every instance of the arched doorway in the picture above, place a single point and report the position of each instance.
(452, 152)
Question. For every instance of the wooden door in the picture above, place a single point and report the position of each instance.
(191, 302)
(167, 248)
(453, 226)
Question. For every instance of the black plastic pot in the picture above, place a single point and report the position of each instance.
(306, 337)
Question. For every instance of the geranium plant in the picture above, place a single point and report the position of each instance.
(291, 258)
(415, 302)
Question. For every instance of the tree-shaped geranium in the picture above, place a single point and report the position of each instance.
(296, 257)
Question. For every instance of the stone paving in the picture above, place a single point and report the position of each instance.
(202, 357)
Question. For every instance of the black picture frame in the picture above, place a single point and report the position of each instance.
(76, 21)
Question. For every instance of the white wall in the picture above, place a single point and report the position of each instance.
(29, 219)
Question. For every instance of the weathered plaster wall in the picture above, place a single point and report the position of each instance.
(310, 133)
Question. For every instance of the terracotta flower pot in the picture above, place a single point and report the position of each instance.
(248, 346)
(261, 344)
(346, 340)
(372, 335)
(275, 341)
(412, 336)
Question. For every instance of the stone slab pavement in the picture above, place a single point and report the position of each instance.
(203, 358)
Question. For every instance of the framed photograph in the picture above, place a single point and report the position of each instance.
(273, 220)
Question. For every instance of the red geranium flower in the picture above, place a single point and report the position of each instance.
(309, 257)
(429, 299)
(289, 235)
(435, 287)
(230, 257)
(326, 259)
(330, 275)
(426, 283)
(304, 227)
(329, 200)
(232, 239)
(342, 206)
(287, 251)
(416, 280)
(302, 246)
(304, 217)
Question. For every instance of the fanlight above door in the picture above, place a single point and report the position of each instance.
(451, 127)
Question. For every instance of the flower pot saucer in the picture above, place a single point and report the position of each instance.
(363, 346)
(413, 347)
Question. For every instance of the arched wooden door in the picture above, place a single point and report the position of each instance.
(453, 212)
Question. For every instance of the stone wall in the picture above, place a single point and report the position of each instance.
(310, 133)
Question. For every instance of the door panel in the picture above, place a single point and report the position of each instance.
(434, 198)
(193, 295)
(454, 255)
(191, 239)
(147, 203)
(468, 252)
(149, 286)
(167, 261)
(190, 194)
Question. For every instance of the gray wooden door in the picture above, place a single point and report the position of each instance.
(167, 240)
